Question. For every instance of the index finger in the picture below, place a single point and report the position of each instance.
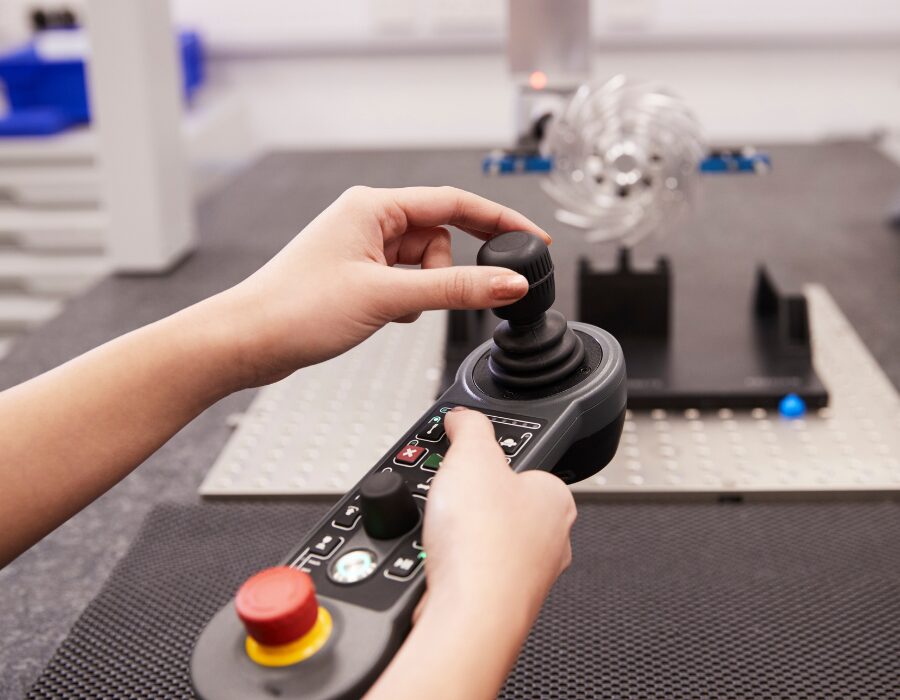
(426, 207)
(472, 439)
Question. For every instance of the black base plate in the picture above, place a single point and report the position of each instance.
(692, 372)
(714, 346)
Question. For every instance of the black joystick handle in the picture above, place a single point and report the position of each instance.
(534, 348)
(388, 508)
(530, 257)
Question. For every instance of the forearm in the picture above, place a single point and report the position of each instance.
(70, 434)
(461, 648)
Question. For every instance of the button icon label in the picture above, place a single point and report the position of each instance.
(347, 517)
(513, 444)
(325, 546)
(432, 430)
(405, 564)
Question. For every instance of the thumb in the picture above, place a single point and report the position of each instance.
(472, 439)
(466, 287)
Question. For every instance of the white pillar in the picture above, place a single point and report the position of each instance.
(135, 88)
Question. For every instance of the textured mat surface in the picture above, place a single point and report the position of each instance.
(674, 601)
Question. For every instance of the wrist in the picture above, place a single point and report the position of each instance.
(493, 612)
(482, 589)
(461, 646)
(215, 326)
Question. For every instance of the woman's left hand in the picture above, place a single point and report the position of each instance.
(335, 283)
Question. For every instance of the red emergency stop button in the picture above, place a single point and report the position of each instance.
(277, 605)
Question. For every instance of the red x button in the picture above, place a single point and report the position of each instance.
(410, 454)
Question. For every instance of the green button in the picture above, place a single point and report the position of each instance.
(434, 461)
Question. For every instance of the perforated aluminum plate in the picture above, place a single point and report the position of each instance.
(320, 430)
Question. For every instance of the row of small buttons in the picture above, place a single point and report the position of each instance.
(412, 454)
(359, 564)
(314, 555)
(512, 442)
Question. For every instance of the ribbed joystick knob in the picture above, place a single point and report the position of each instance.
(529, 256)
(388, 508)
(534, 347)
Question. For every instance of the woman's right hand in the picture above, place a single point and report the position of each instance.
(496, 541)
(491, 533)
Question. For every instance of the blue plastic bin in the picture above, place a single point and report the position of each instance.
(47, 96)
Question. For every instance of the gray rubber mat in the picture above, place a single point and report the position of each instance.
(669, 601)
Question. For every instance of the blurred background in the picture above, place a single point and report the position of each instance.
(385, 73)
(362, 74)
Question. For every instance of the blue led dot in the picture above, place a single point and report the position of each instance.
(792, 406)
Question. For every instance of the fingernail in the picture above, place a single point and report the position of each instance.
(458, 408)
(508, 286)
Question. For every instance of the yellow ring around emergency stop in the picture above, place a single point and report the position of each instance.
(293, 652)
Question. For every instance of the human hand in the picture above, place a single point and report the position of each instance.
(335, 283)
(496, 539)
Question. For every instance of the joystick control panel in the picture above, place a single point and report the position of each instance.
(376, 534)
(327, 621)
